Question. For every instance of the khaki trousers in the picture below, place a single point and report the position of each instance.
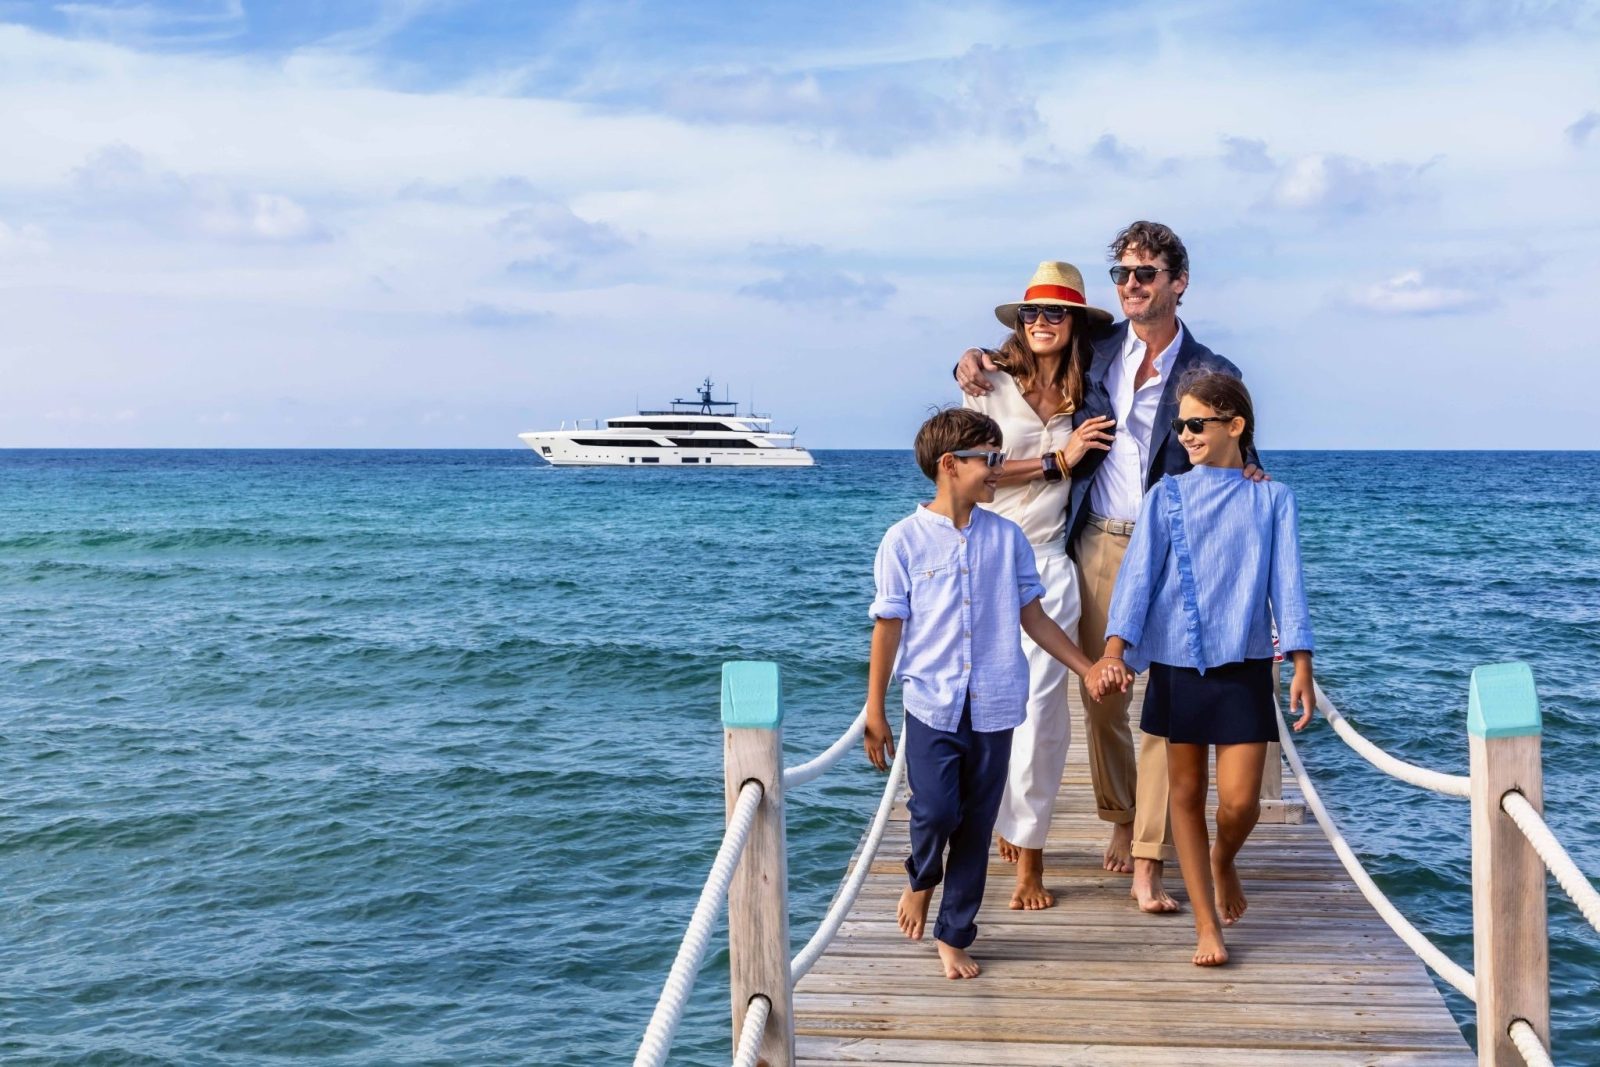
(1126, 789)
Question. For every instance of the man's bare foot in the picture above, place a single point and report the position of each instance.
(1230, 891)
(1119, 850)
(1148, 889)
(1030, 894)
(912, 911)
(957, 964)
(1209, 951)
(1008, 851)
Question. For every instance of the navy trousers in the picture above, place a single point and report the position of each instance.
(956, 783)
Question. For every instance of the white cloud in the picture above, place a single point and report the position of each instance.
(27, 239)
(1341, 184)
(1578, 133)
(1411, 293)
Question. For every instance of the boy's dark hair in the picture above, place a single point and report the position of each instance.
(1226, 395)
(1152, 239)
(951, 430)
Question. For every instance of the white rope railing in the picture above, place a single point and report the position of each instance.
(1555, 857)
(1446, 968)
(1455, 785)
(755, 1022)
(815, 768)
(1528, 1044)
(801, 965)
(664, 1020)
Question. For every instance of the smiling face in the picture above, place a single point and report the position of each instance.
(971, 478)
(1044, 339)
(1217, 443)
(1153, 302)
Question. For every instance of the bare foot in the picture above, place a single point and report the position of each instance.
(1008, 851)
(957, 964)
(1119, 850)
(1209, 951)
(1148, 889)
(1030, 894)
(912, 911)
(1230, 891)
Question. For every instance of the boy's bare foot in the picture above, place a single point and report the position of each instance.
(1030, 894)
(1008, 851)
(957, 964)
(912, 911)
(1209, 951)
(1119, 850)
(1230, 891)
(1148, 889)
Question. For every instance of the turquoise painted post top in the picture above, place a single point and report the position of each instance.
(752, 695)
(1502, 702)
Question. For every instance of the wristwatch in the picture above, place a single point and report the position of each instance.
(1052, 469)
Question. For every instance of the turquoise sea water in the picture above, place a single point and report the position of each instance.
(413, 757)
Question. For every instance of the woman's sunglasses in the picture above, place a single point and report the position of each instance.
(1198, 426)
(1146, 275)
(990, 459)
(1053, 313)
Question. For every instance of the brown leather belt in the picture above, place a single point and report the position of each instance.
(1121, 527)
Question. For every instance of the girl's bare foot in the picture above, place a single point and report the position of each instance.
(957, 964)
(1148, 889)
(1119, 850)
(1008, 851)
(1230, 891)
(1030, 894)
(912, 911)
(1209, 951)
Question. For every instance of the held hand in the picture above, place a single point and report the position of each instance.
(1106, 675)
(878, 740)
(970, 371)
(1256, 474)
(1093, 433)
(1302, 695)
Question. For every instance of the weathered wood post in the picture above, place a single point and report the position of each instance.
(758, 897)
(1511, 947)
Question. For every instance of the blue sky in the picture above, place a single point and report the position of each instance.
(432, 223)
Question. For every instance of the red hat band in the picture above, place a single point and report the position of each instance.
(1056, 292)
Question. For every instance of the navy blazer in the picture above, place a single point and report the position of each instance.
(1167, 455)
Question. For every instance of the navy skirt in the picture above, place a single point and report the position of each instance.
(1233, 704)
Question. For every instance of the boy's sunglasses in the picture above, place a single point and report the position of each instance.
(1198, 426)
(1146, 275)
(1053, 313)
(990, 459)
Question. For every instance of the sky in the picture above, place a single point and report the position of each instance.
(440, 223)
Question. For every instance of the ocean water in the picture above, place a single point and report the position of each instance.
(413, 757)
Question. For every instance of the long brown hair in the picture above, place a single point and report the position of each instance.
(1016, 359)
(1224, 394)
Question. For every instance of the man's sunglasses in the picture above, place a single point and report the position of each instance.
(990, 459)
(1198, 426)
(1146, 275)
(1053, 313)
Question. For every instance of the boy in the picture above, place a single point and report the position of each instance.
(953, 580)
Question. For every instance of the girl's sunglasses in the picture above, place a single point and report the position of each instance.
(1198, 426)
(1053, 313)
(990, 459)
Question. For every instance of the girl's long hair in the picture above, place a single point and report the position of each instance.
(1016, 359)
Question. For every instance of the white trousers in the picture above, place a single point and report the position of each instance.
(1039, 745)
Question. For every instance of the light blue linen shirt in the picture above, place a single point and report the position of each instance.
(1214, 559)
(960, 592)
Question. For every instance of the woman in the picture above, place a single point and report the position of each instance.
(1040, 386)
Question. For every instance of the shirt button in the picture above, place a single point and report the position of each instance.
(966, 633)
(966, 601)
(963, 570)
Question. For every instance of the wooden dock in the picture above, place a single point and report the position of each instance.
(1316, 976)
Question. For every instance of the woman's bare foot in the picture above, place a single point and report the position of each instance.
(1030, 894)
(1209, 951)
(1119, 850)
(1008, 851)
(912, 911)
(1230, 891)
(1148, 889)
(957, 964)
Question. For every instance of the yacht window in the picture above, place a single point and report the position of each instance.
(649, 459)
(691, 459)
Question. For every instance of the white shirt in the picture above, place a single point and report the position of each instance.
(1038, 506)
(1118, 486)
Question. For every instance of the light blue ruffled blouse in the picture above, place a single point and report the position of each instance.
(1214, 558)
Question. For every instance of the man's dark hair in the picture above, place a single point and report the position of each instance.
(1224, 394)
(951, 430)
(1152, 239)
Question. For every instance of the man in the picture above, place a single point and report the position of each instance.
(1133, 378)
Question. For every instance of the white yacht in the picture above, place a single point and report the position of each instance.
(692, 432)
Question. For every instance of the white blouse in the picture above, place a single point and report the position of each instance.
(1038, 506)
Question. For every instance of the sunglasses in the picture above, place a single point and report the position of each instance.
(1198, 426)
(990, 459)
(1053, 313)
(1146, 275)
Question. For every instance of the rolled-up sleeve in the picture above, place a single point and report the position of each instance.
(1029, 587)
(1141, 568)
(892, 581)
(1287, 586)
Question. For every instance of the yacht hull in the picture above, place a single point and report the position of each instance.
(559, 449)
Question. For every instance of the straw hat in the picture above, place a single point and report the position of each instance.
(1053, 283)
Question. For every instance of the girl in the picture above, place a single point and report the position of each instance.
(1213, 562)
